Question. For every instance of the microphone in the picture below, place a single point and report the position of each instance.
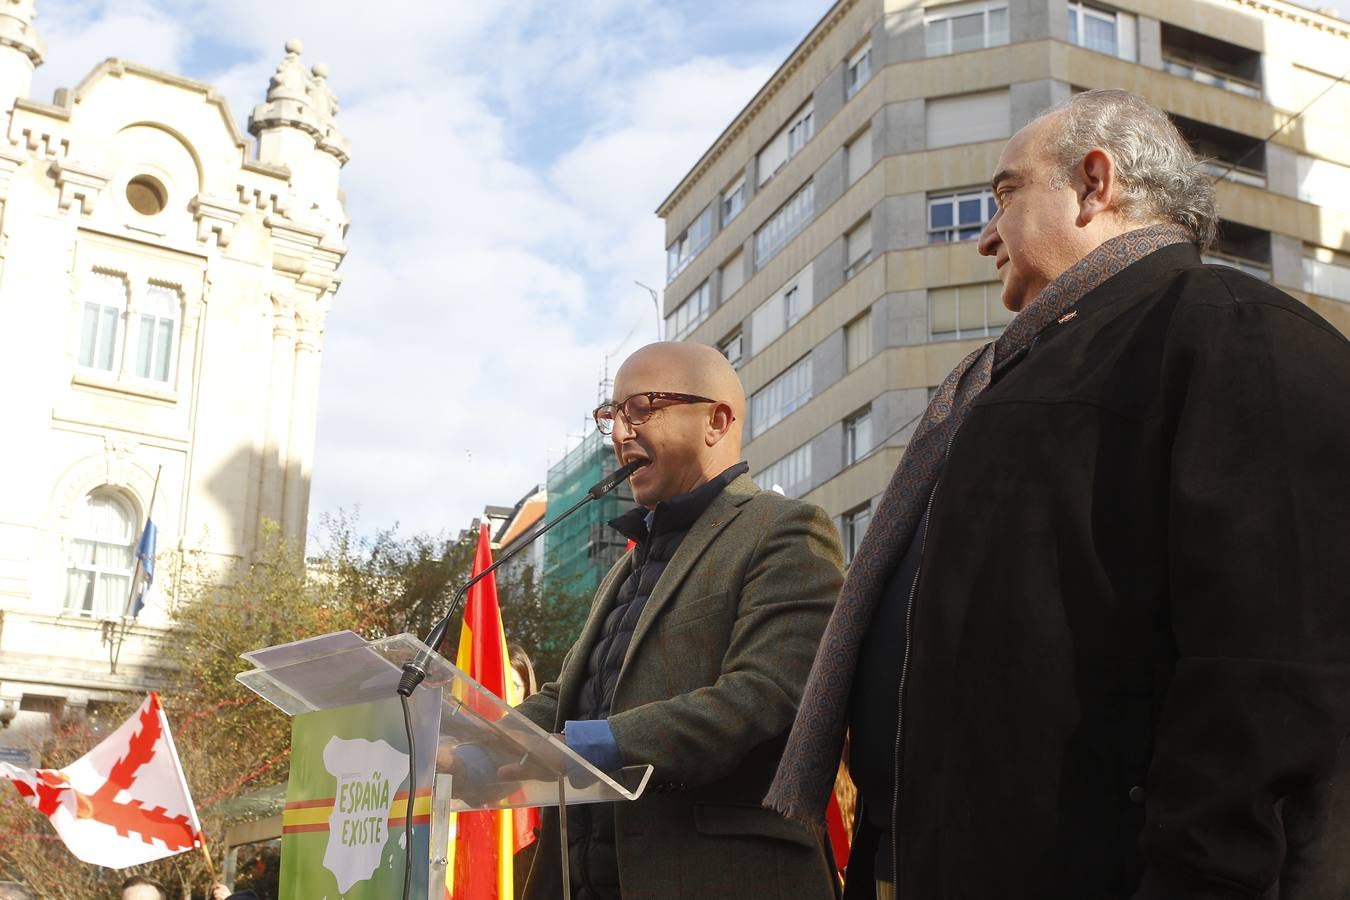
(416, 670)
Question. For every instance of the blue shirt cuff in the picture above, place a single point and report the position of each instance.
(593, 740)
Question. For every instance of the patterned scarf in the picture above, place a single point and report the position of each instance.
(801, 788)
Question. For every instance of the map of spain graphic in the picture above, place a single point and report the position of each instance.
(343, 827)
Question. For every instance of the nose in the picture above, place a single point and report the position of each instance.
(989, 239)
(622, 431)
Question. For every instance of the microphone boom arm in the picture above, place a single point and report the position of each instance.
(415, 671)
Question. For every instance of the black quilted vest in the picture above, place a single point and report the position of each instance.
(590, 827)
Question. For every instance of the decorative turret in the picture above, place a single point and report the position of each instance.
(333, 142)
(296, 128)
(287, 126)
(21, 52)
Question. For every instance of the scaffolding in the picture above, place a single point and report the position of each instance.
(579, 551)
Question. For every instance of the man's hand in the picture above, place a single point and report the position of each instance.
(219, 891)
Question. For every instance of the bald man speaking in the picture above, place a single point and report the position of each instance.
(693, 656)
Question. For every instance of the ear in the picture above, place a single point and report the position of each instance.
(719, 423)
(1097, 185)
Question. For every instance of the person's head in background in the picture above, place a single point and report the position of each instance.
(138, 887)
(522, 672)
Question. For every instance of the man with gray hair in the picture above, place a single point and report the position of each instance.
(1096, 642)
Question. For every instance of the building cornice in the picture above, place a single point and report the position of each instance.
(1301, 15)
(77, 182)
(217, 216)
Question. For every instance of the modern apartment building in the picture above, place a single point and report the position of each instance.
(826, 241)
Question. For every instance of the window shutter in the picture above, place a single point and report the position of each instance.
(968, 118)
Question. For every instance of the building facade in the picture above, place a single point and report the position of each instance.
(826, 242)
(517, 534)
(164, 283)
(578, 552)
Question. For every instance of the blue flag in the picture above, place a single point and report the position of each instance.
(145, 554)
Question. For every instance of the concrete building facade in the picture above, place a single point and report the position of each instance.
(826, 241)
(164, 283)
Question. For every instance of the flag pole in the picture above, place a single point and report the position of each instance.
(115, 651)
(182, 779)
(210, 866)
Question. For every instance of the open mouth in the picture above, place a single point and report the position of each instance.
(643, 463)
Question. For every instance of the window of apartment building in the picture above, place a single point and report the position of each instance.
(859, 154)
(1327, 273)
(783, 225)
(1324, 183)
(694, 238)
(967, 118)
(690, 313)
(1228, 154)
(965, 26)
(858, 70)
(105, 298)
(98, 576)
(792, 473)
(733, 274)
(969, 310)
(858, 248)
(858, 435)
(1209, 60)
(795, 305)
(858, 341)
(961, 216)
(1102, 30)
(785, 144)
(781, 397)
(781, 311)
(733, 200)
(852, 526)
(1241, 247)
(733, 348)
(800, 131)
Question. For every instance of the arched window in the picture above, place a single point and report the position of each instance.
(102, 556)
(105, 297)
(156, 339)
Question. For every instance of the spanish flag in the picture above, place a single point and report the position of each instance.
(482, 844)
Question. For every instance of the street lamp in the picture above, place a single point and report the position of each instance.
(656, 303)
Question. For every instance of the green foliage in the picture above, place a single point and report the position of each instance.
(230, 741)
(545, 621)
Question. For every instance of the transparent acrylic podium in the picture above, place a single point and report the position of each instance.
(479, 734)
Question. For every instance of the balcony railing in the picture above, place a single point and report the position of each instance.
(1250, 266)
(1240, 174)
(1195, 72)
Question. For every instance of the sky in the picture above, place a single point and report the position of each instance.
(507, 160)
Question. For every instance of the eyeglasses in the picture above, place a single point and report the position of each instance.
(639, 408)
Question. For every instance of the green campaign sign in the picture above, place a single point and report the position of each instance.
(344, 825)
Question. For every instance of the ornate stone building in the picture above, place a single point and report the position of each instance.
(164, 283)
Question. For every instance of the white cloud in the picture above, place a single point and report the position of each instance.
(505, 167)
(80, 34)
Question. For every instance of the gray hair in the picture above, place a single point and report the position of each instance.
(1158, 175)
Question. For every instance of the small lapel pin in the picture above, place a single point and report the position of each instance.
(1068, 317)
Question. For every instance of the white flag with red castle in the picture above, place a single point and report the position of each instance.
(123, 803)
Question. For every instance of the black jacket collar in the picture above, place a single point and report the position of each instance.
(677, 513)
